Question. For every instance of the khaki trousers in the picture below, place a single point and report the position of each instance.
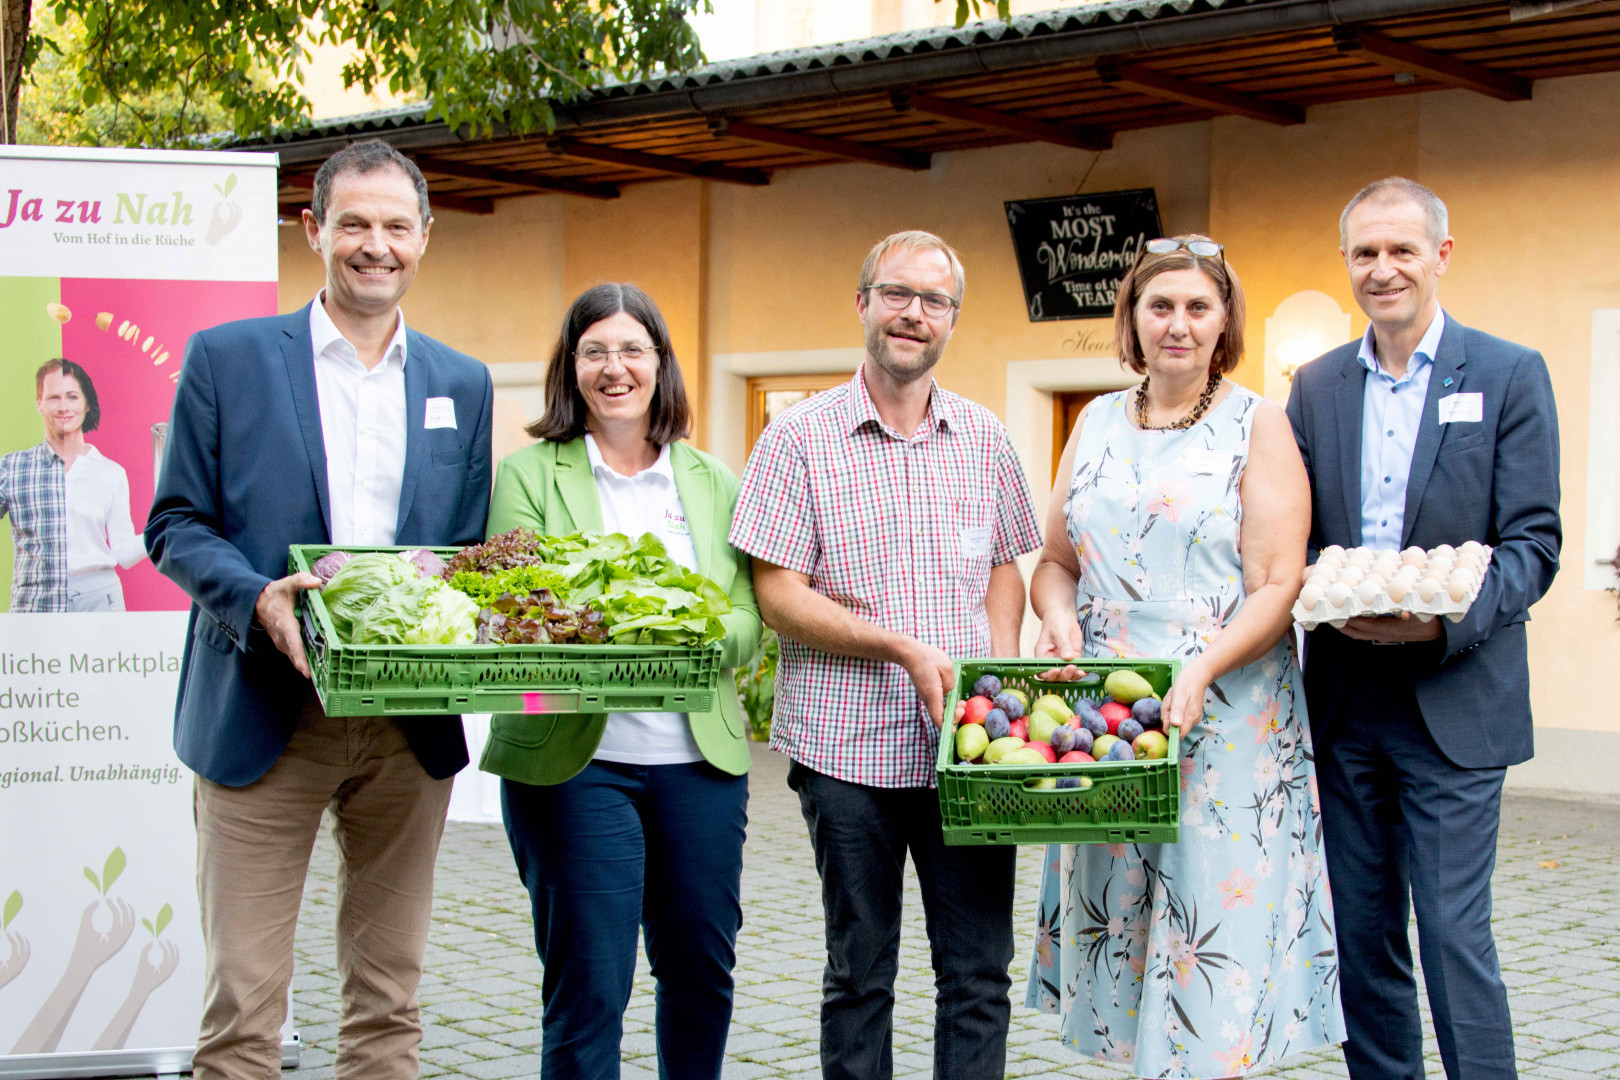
(253, 851)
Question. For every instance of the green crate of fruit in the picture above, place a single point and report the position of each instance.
(1127, 802)
(404, 680)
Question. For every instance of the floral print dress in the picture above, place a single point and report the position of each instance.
(1215, 955)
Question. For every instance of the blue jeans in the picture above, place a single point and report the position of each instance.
(861, 836)
(616, 850)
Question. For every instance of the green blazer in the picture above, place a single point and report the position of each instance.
(549, 487)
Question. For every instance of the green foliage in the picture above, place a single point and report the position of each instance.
(1003, 9)
(13, 905)
(481, 63)
(53, 110)
(756, 686)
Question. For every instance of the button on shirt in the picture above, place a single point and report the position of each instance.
(363, 427)
(100, 534)
(902, 530)
(647, 502)
(1391, 416)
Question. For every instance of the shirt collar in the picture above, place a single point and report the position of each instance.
(1423, 354)
(603, 470)
(863, 410)
(47, 451)
(323, 332)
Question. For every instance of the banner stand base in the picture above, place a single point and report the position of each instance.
(161, 1063)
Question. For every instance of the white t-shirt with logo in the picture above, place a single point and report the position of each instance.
(646, 503)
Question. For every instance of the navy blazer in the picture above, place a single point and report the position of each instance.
(244, 477)
(1495, 481)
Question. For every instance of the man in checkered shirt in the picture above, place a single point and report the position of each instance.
(883, 517)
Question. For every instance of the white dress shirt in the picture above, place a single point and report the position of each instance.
(363, 427)
(100, 534)
(647, 502)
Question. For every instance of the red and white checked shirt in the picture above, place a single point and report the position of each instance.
(902, 532)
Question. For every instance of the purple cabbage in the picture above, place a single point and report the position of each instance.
(427, 563)
(329, 564)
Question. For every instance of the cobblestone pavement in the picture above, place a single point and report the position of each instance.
(1557, 908)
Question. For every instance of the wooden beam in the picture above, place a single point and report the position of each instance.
(448, 202)
(635, 159)
(724, 127)
(529, 181)
(1215, 98)
(1401, 56)
(1022, 127)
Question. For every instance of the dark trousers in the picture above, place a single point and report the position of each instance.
(617, 850)
(1404, 829)
(861, 836)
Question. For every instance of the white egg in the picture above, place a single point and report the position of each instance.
(1367, 592)
(1398, 588)
(1460, 581)
(1444, 562)
(1306, 574)
(1310, 596)
(1375, 578)
(1427, 589)
(1360, 558)
(1472, 547)
(1409, 574)
(1351, 576)
(1339, 594)
(1387, 560)
(1333, 551)
(1444, 549)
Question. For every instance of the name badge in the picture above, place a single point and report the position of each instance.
(675, 524)
(976, 542)
(1203, 462)
(441, 413)
(1462, 408)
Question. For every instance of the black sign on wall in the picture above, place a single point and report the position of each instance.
(1073, 250)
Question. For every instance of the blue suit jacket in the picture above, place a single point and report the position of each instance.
(1495, 481)
(244, 477)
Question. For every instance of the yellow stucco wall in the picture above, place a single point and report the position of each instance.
(772, 270)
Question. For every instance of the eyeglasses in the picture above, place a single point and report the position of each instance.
(1164, 245)
(898, 297)
(595, 354)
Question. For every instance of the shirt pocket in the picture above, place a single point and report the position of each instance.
(973, 533)
(1462, 445)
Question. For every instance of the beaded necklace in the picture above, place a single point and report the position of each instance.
(1186, 421)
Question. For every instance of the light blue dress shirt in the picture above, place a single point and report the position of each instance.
(1391, 414)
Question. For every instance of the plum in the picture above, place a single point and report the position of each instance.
(987, 686)
(1009, 704)
(1074, 781)
(1120, 751)
(1093, 720)
(1146, 711)
(1083, 740)
(1129, 729)
(1062, 739)
(996, 724)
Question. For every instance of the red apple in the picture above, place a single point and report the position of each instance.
(978, 707)
(1045, 750)
(1114, 712)
(1019, 728)
(1074, 756)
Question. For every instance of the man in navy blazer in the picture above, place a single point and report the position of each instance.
(335, 424)
(1423, 433)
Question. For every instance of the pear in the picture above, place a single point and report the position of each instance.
(1051, 703)
(1023, 756)
(1126, 687)
(1041, 725)
(971, 742)
(994, 752)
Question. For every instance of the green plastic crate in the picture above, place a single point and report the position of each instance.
(404, 680)
(1128, 801)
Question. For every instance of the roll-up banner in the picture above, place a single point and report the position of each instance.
(109, 261)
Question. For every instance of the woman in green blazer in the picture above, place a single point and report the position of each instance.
(628, 821)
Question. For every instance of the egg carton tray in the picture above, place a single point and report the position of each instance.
(1442, 606)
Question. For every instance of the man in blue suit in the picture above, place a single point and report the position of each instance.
(335, 424)
(1423, 433)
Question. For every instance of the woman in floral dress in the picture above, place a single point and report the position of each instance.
(1177, 529)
